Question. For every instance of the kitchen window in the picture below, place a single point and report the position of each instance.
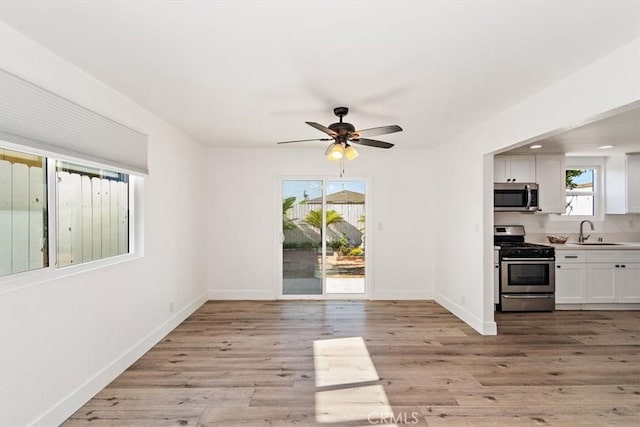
(580, 192)
(583, 189)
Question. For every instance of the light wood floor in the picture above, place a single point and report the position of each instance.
(252, 363)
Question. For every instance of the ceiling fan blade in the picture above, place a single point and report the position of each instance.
(305, 140)
(371, 143)
(382, 130)
(322, 128)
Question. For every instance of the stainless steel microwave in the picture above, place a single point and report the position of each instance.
(515, 197)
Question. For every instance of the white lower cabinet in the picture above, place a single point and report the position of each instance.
(571, 277)
(597, 276)
(628, 278)
(571, 283)
(601, 283)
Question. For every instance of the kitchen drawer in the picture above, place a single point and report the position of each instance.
(613, 256)
(570, 257)
(629, 255)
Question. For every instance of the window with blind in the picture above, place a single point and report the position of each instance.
(91, 213)
(65, 180)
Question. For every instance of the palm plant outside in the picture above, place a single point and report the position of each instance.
(287, 204)
(314, 219)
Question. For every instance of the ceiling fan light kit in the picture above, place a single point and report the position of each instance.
(335, 152)
(344, 134)
(350, 152)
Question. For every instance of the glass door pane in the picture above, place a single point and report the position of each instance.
(302, 212)
(345, 236)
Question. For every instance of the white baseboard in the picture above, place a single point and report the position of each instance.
(259, 295)
(484, 328)
(81, 395)
(600, 306)
(262, 295)
(402, 295)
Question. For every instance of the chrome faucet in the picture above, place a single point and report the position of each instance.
(582, 237)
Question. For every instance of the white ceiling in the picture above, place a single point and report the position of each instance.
(621, 131)
(247, 74)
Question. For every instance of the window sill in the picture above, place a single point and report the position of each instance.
(19, 281)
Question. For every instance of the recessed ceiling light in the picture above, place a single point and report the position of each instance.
(604, 147)
(535, 147)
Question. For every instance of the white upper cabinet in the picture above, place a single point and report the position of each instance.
(550, 176)
(514, 168)
(623, 184)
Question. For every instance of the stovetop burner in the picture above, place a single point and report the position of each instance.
(521, 245)
(510, 238)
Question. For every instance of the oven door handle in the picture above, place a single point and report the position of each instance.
(527, 296)
(529, 260)
(528, 188)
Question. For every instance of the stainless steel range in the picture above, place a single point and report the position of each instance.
(527, 271)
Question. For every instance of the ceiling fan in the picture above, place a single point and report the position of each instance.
(344, 134)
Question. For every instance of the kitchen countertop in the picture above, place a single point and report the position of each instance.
(573, 246)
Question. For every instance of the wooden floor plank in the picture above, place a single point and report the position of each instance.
(251, 363)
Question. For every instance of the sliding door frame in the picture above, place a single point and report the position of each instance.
(368, 242)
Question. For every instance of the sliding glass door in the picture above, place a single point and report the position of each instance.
(302, 240)
(323, 238)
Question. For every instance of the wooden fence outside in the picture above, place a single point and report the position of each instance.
(351, 227)
(93, 218)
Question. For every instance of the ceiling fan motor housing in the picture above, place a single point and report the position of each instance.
(342, 128)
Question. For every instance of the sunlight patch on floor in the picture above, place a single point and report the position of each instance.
(342, 361)
(346, 363)
(352, 404)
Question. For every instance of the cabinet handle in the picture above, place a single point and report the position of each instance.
(617, 266)
(623, 266)
(557, 266)
(513, 180)
(571, 256)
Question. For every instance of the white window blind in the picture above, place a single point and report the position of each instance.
(35, 117)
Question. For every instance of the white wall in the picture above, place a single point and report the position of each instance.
(610, 82)
(244, 240)
(64, 340)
